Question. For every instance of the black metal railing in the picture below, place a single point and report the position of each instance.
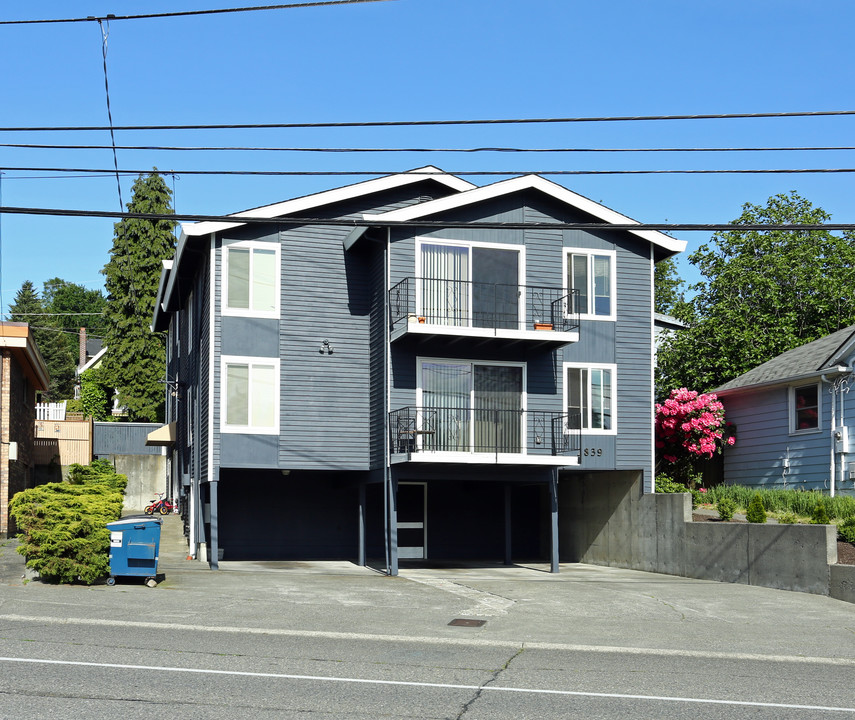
(483, 430)
(465, 304)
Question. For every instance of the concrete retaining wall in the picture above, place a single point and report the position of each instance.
(146, 476)
(607, 520)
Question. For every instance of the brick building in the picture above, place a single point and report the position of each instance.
(22, 375)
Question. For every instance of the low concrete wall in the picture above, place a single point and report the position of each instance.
(607, 520)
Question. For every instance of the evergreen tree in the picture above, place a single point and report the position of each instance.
(29, 308)
(135, 360)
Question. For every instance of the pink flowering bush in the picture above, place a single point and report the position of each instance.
(690, 427)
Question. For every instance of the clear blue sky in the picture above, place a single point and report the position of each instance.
(416, 60)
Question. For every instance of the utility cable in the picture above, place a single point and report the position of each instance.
(187, 13)
(429, 173)
(251, 148)
(105, 33)
(422, 123)
(240, 219)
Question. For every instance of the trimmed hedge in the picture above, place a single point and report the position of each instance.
(62, 526)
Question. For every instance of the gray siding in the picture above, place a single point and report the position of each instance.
(763, 440)
(114, 438)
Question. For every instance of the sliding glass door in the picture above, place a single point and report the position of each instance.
(472, 407)
(470, 286)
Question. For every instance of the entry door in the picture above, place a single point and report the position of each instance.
(412, 520)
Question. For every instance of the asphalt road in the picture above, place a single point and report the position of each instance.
(331, 640)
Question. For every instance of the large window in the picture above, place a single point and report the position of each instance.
(250, 389)
(470, 285)
(251, 279)
(804, 408)
(589, 396)
(471, 406)
(591, 275)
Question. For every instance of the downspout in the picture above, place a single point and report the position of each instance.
(832, 471)
(387, 401)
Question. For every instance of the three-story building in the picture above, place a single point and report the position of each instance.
(406, 368)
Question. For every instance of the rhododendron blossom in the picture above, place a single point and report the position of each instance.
(690, 426)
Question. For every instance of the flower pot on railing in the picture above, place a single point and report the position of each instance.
(543, 326)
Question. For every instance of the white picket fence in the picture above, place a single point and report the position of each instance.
(50, 411)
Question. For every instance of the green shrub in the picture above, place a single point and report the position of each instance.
(756, 510)
(665, 484)
(800, 502)
(788, 518)
(819, 516)
(726, 508)
(62, 526)
(846, 530)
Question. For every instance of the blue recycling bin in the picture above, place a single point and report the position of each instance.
(134, 548)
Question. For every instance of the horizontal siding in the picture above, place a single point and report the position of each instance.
(763, 441)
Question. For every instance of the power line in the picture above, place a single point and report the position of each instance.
(251, 148)
(46, 314)
(186, 13)
(415, 123)
(493, 225)
(428, 173)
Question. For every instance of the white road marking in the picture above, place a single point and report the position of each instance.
(441, 686)
(434, 640)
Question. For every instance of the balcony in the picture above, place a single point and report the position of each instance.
(427, 306)
(484, 436)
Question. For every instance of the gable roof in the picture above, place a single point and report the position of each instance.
(825, 355)
(327, 197)
(526, 182)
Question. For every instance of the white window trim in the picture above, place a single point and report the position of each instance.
(612, 368)
(612, 255)
(251, 245)
(227, 360)
(463, 361)
(791, 409)
(521, 270)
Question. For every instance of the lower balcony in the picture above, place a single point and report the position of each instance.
(484, 436)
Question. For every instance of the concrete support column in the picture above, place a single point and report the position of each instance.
(508, 537)
(553, 504)
(213, 558)
(361, 552)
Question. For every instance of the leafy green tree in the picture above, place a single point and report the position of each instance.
(667, 287)
(762, 293)
(29, 308)
(95, 394)
(135, 359)
(74, 305)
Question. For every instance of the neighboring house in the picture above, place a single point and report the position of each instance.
(663, 326)
(410, 373)
(22, 374)
(792, 417)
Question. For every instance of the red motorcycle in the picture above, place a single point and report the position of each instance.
(164, 507)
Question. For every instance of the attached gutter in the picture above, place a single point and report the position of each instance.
(830, 371)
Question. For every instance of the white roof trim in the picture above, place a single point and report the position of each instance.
(94, 360)
(327, 197)
(526, 182)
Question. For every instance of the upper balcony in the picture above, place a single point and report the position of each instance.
(462, 308)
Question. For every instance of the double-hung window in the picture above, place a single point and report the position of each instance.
(804, 408)
(250, 392)
(589, 397)
(251, 272)
(591, 276)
